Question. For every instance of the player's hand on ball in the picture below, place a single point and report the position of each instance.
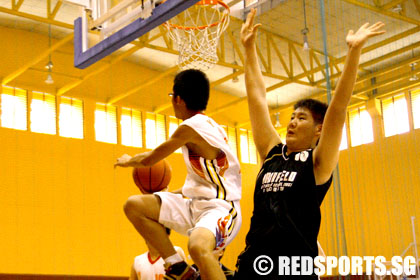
(123, 161)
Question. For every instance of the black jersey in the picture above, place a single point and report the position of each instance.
(286, 216)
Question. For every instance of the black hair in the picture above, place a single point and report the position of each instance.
(317, 108)
(193, 87)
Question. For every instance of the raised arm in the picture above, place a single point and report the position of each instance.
(265, 136)
(327, 151)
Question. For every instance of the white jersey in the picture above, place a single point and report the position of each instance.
(148, 269)
(217, 178)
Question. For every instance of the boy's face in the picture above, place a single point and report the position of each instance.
(302, 131)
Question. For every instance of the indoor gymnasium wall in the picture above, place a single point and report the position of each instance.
(61, 198)
(379, 193)
(62, 204)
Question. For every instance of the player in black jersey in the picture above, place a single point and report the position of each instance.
(294, 178)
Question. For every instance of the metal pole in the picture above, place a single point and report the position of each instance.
(336, 176)
(415, 245)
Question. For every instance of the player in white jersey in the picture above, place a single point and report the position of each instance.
(207, 207)
(146, 267)
(150, 265)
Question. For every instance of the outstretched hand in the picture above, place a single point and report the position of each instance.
(249, 30)
(358, 39)
(122, 161)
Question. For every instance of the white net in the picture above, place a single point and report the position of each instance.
(196, 32)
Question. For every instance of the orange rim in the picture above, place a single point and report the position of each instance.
(202, 2)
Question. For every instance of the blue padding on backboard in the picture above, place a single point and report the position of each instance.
(134, 30)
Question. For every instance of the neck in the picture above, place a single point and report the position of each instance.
(190, 113)
(154, 254)
(290, 150)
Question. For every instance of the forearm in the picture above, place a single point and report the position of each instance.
(345, 85)
(254, 81)
(337, 110)
(264, 133)
(326, 155)
(139, 160)
(265, 136)
(150, 158)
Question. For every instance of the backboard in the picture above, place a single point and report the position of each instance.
(118, 25)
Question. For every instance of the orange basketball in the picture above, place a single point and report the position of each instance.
(153, 178)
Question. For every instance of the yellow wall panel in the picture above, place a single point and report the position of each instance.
(64, 202)
(380, 192)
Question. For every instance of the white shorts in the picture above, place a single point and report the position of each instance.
(221, 217)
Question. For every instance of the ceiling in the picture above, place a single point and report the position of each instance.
(140, 74)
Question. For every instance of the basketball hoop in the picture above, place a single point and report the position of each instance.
(196, 31)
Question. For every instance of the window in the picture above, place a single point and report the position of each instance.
(106, 123)
(415, 105)
(344, 144)
(173, 125)
(155, 130)
(43, 113)
(361, 131)
(247, 147)
(395, 115)
(252, 148)
(14, 108)
(70, 121)
(231, 135)
(131, 128)
(243, 141)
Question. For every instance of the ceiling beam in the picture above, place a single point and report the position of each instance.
(298, 77)
(56, 73)
(16, 6)
(377, 3)
(383, 12)
(280, 57)
(137, 46)
(242, 99)
(114, 60)
(392, 4)
(35, 60)
(387, 82)
(407, 86)
(162, 108)
(234, 2)
(226, 106)
(143, 85)
(212, 85)
(378, 45)
(387, 70)
(226, 78)
(36, 18)
(417, 4)
(53, 13)
(382, 58)
(362, 91)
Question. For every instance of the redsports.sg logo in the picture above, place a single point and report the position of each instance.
(355, 265)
